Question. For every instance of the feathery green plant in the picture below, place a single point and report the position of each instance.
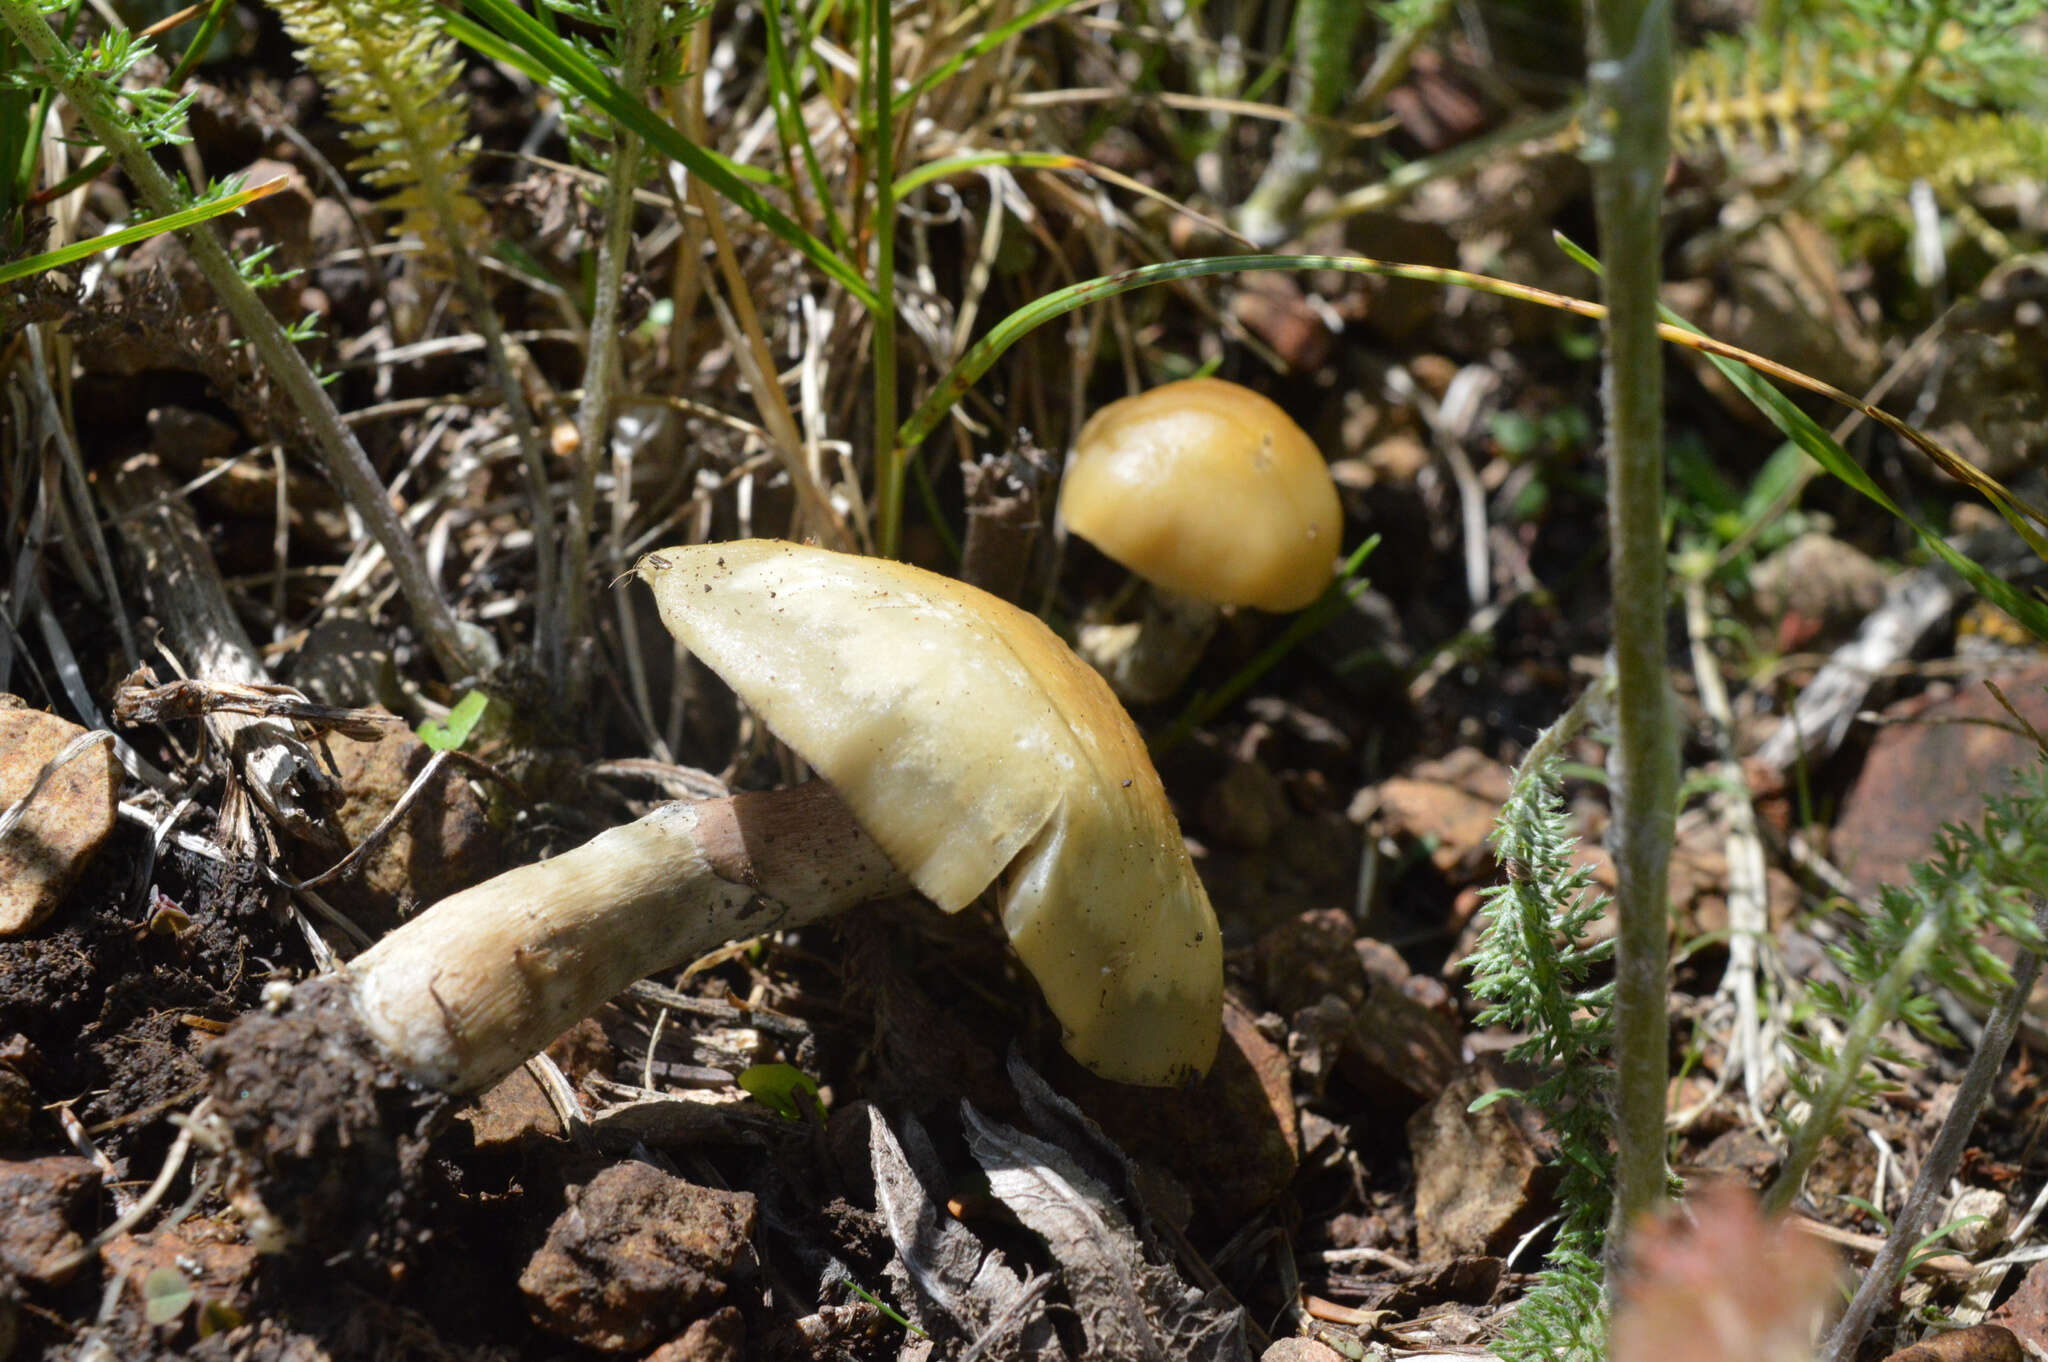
(1922, 939)
(1533, 970)
(1868, 97)
(390, 75)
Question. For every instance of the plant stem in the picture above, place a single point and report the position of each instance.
(1882, 1002)
(601, 360)
(282, 363)
(1628, 148)
(889, 457)
(1324, 33)
(1942, 1159)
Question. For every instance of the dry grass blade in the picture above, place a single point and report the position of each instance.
(141, 700)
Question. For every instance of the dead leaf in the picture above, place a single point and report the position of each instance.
(976, 1293)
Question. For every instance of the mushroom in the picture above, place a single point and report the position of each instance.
(961, 746)
(1211, 493)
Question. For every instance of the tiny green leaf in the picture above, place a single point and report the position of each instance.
(449, 734)
(165, 1295)
(775, 1086)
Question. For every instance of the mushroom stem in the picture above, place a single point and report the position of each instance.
(466, 991)
(1145, 661)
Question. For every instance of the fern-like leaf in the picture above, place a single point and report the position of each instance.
(1533, 968)
(391, 76)
(1922, 939)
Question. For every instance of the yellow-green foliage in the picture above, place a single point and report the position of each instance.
(1751, 98)
(1728, 97)
(390, 73)
(1969, 149)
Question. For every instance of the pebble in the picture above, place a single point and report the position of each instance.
(63, 827)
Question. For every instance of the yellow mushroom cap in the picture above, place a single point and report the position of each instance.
(1208, 489)
(973, 746)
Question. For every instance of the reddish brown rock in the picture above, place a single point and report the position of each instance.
(1273, 307)
(1300, 1350)
(637, 1255)
(217, 1261)
(516, 1109)
(1979, 1343)
(444, 842)
(47, 1207)
(1935, 767)
(1450, 805)
(63, 826)
(718, 1337)
(1480, 1176)
(2025, 1312)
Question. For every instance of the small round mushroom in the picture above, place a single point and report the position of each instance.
(1210, 492)
(962, 745)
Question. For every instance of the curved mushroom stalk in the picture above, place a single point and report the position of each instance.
(1147, 659)
(464, 993)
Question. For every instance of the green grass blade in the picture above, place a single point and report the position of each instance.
(882, 132)
(983, 354)
(930, 171)
(1803, 431)
(141, 231)
(563, 65)
(195, 49)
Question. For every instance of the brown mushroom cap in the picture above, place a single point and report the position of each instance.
(973, 746)
(1208, 489)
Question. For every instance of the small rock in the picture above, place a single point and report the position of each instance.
(1986, 1210)
(1480, 1176)
(1300, 1350)
(636, 1255)
(17, 1109)
(217, 1261)
(1396, 1050)
(64, 825)
(1273, 307)
(1934, 770)
(1434, 372)
(1978, 1343)
(516, 1110)
(1816, 590)
(718, 1337)
(43, 1205)
(1741, 1154)
(1398, 459)
(445, 842)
